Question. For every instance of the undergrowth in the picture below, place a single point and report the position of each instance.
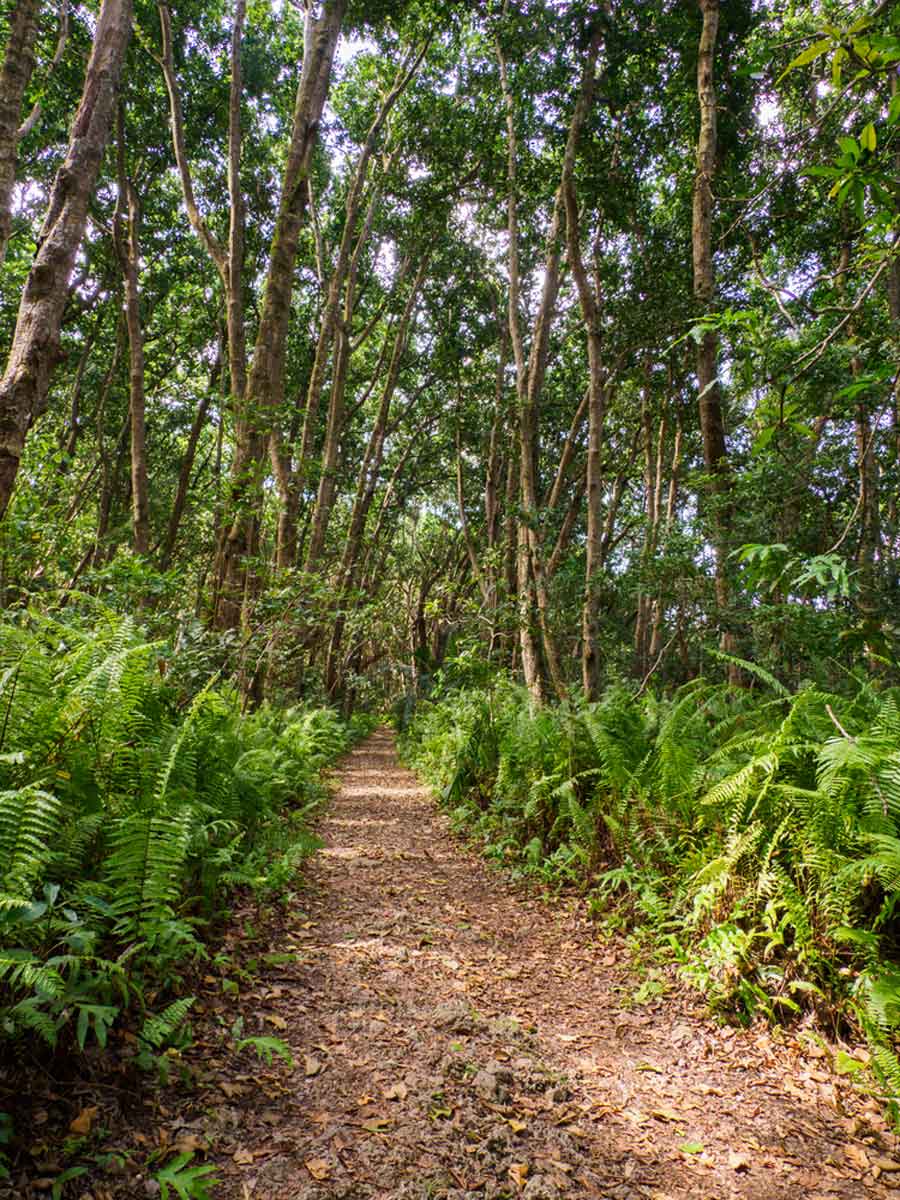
(131, 804)
(753, 831)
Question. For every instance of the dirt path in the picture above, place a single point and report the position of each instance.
(455, 1040)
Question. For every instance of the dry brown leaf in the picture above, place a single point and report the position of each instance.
(887, 1164)
(857, 1157)
(83, 1122)
(319, 1168)
(311, 1066)
(189, 1143)
(518, 1173)
(666, 1114)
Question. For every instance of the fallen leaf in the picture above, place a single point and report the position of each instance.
(857, 1157)
(189, 1143)
(887, 1164)
(399, 1091)
(84, 1120)
(518, 1173)
(319, 1168)
(665, 1114)
(376, 1124)
(311, 1066)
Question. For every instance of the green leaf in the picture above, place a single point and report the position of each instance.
(846, 1064)
(61, 1180)
(868, 138)
(188, 1183)
(810, 54)
(266, 1047)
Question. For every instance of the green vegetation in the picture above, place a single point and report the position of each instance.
(754, 832)
(130, 805)
(417, 354)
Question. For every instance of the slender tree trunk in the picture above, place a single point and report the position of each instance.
(34, 116)
(265, 384)
(187, 465)
(228, 260)
(712, 424)
(588, 298)
(35, 348)
(128, 252)
(15, 75)
(370, 469)
(68, 440)
(667, 522)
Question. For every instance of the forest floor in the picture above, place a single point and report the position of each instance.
(454, 1037)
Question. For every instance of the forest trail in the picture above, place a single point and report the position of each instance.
(454, 1039)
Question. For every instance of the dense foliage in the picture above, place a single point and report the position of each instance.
(130, 805)
(755, 833)
(350, 350)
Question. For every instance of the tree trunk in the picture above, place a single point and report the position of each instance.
(128, 253)
(335, 331)
(712, 425)
(15, 74)
(35, 348)
(187, 465)
(229, 262)
(265, 384)
(588, 299)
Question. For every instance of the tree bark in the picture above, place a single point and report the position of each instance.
(588, 299)
(15, 75)
(127, 246)
(187, 465)
(35, 348)
(712, 424)
(336, 331)
(228, 261)
(265, 384)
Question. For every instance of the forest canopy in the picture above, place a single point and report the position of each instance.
(560, 335)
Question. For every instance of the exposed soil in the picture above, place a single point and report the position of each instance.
(455, 1038)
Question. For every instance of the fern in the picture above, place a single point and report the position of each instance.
(159, 1028)
(29, 820)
